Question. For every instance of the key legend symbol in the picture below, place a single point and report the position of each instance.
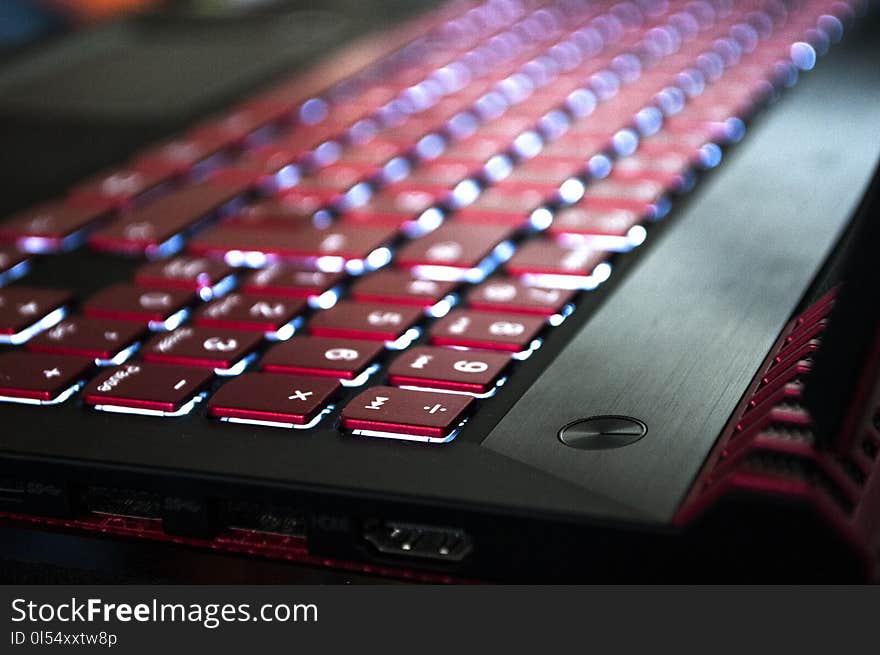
(377, 403)
(433, 410)
(300, 395)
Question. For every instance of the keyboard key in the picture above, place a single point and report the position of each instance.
(218, 348)
(339, 358)
(397, 203)
(507, 295)
(478, 147)
(540, 257)
(182, 154)
(193, 273)
(160, 308)
(39, 377)
(375, 151)
(261, 313)
(262, 397)
(489, 330)
(150, 388)
(548, 170)
(272, 213)
(13, 264)
(150, 228)
(334, 248)
(445, 171)
(340, 176)
(120, 187)
(592, 218)
(515, 198)
(100, 339)
(448, 368)
(239, 124)
(455, 246)
(365, 320)
(391, 412)
(50, 227)
(24, 311)
(290, 281)
(400, 287)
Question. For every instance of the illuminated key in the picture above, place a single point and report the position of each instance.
(24, 311)
(346, 359)
(273, 399)
(489, 330)
(226, 351)
(101, 339)
(39, 377)
(139, 387)
(448, 368)
(400, 413)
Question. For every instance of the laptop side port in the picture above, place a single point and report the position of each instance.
(129, 503)
(261, 517)
(427, 542)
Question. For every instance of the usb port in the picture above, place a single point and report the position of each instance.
(419, 541)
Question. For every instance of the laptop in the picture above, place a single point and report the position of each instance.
(500, 290)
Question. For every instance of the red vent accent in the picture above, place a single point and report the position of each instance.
(233, 540)
(768, 447)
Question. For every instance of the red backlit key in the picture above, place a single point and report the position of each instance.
(101, 339)
(540, 256)
(130, 303)
(589, 218)
(261, 397)
(152, 226)
(401, 288)
(250, 312)
(237, 125)
(273, 213)
(343, 242)
(444, 171)
(48, 226)
(182, 154)
(513, 198)
(151, 387)
(118, 188)
(339, 176)
(448, 368)
(490, 330)
(365, 320)
(183, 273)
(398, 203)
(39, 377)
(211, 347)
(290, 281)
(23, 309)
(404, 412)
(375, 151)
(325, 356)
(454, 245)
(548, 170)
(507, 295)
(478, 147)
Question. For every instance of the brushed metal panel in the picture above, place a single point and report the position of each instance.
(681, 337)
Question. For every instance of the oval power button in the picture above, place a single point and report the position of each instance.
(602, 432)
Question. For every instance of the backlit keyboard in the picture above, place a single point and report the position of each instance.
(383, 254)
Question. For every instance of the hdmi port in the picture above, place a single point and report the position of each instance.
(421, 541)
